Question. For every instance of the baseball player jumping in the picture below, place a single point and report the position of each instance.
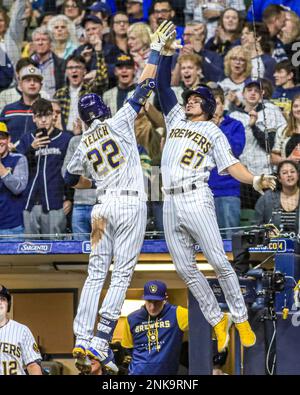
(18, 349)
(193, 147)
(108, 151)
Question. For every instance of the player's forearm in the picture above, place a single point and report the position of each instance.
(176, 75)
(34, 369)
(240, 173)
(151, 67)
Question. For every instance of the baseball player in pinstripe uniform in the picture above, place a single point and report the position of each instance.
(18, 349)
(193, 147)
(108, 150)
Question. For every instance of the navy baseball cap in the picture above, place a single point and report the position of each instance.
(155, 290)
(100, 6)
(91, 18)
(251, 81)
(125, 60)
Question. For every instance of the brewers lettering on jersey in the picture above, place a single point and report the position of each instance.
(194, 146)
(19, 353)
(108, 151)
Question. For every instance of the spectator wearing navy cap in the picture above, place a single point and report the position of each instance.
(154, 333)
(93, 27)
(134, 9)
(102, 11)
(124, 71)
(13, 181)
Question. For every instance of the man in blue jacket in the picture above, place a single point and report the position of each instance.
(45, 149)
(226, 189)
(13, 181)
(154, 333)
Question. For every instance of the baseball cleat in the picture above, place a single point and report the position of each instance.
(222, 331)
(106, 358)
(82, 362)
(247, 336)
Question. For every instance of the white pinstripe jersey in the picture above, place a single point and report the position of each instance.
(17, 348)
(192, 149)
(108, 151)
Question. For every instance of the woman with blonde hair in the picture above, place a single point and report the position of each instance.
(237, 67)
(138, 35)
(287, 142)
(63, 34)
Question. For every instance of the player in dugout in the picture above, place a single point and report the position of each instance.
(154, 333)
(19, 353)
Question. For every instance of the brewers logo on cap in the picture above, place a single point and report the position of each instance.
(153, 289)
(30, 71)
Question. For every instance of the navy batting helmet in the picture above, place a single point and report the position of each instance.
(209, 103)
(5, 293)
(91, 106)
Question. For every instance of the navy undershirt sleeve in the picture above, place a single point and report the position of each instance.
(167, 97)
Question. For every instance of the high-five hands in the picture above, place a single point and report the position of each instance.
(162, 34)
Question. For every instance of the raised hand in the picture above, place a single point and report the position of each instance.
(172, 45)
(162, 34)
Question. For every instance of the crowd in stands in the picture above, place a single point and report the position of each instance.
(53, 52)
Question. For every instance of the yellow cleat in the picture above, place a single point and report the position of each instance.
(247, 336)
(222, 331)
(82, 363)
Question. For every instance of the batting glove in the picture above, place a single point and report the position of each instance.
(264, 182)
(159, 38)
(171, 46)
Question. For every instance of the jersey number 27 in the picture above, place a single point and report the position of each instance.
(189, 156)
